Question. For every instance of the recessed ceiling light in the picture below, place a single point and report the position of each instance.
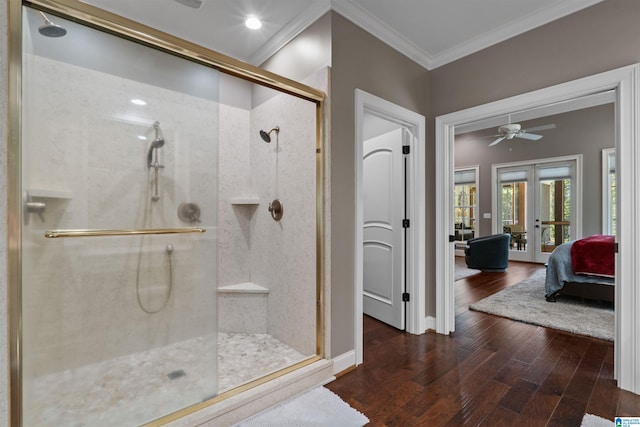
(142, 137)
(252, 22)
(138, 102)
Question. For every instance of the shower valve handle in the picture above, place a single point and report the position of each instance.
(276, 209)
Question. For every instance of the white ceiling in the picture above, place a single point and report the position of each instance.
(431, 32)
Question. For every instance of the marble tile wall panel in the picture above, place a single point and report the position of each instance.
(80, 299)
(283, 254)
(236, 221)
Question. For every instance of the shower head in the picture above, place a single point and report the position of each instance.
(157, 143)
(266, 136)
(49, 29)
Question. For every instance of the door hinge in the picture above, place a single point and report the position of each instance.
(615, 248)
(405, 297)
(452, 238)
(406, 223)
(406, 149)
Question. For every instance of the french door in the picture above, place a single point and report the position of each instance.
(537, 203)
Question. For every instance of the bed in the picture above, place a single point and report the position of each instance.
(583, 268)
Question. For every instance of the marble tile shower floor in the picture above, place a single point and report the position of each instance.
(137, 388)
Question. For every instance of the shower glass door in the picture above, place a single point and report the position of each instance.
(119, 151)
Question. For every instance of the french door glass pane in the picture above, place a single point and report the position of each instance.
(514, 213)
(555, 213)
(464, 211)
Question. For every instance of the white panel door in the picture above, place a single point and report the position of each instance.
(383, 252)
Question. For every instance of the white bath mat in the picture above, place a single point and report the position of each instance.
(319, 407)
(595, 421)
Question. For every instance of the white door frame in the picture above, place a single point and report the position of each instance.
(496, 202)
(415, 123)
(625, 82)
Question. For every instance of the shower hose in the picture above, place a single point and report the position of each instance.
(168, 251)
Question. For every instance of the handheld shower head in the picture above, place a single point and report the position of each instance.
(155, 144)
(266, 136)
(49, 29)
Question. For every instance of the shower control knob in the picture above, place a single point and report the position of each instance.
(276, 209)
(189, 212)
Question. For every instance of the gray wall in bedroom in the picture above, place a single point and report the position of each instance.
(587, 132)
(600, 38)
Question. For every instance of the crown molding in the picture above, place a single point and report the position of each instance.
(368, 22)
(378, 29)
(289, 32)
(510, 30)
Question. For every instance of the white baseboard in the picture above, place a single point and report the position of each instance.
(344, 361)
(430, 323)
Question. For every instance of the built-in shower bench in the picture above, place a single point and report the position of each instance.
(242, 308)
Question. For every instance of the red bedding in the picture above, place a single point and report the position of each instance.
(594, 256)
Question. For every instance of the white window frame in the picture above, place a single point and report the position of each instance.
(607, 226)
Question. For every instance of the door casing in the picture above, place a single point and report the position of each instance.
(625, 82)
(415, 123)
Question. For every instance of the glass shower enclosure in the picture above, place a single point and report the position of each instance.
(168, 231)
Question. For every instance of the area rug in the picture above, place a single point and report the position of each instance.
(319, 407)
(525, 302)
(462, 272)
(594, 421)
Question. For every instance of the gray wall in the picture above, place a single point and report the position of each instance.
(585, 132)
(360, 61)
(600, 38)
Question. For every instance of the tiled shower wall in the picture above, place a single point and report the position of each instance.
(83, 159)
(283, 255)
(233, 268)
(85, 162)
(280, 256)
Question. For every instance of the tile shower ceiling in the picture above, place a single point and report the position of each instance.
(431, 32)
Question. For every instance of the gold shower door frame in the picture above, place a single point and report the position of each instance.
(125, 28)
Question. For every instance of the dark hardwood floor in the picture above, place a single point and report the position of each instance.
(491, 372)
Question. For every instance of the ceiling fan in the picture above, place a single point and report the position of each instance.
(514, 130)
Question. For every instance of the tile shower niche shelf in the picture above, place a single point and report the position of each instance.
(251, 200)
(243, 288)
(50, 194)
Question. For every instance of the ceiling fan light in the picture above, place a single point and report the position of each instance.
(510, 128)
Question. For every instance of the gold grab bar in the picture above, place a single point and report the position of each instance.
(52, 234)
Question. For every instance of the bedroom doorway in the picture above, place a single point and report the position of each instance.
(538, 204)
(622, 84)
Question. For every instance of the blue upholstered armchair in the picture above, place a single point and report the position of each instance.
(488, 253)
